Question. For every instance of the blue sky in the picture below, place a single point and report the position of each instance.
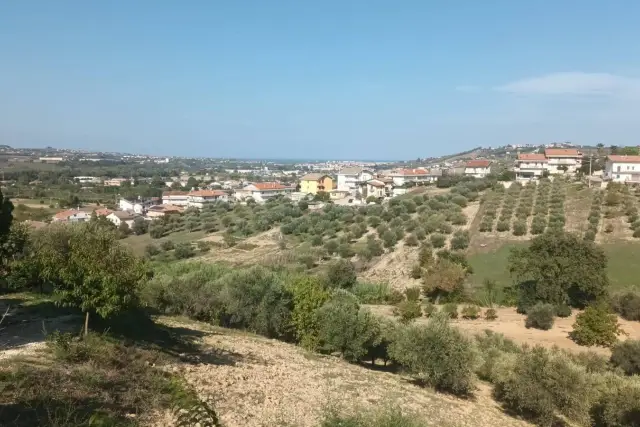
(300, 78)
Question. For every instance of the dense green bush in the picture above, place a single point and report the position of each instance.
(626, 355)
(412, 294)
(628, 306)
(308, 295)
(345, 328)
(542, 384)
(437, 354)
(460, 240)
(503, 225)
(167, 245)
(470, 312)
(341, 274)
(495, 351)
(407, 310)
(437, 240)
(563, 310)
(183, 251)
(519, 228)
(618, 405)
(540, 316)
(596, 326)
(450, 310)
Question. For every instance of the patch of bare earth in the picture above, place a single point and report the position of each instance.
(511, 325)
(272, 383)
(253, 249)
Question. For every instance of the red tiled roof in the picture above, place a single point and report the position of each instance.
(375, 183)
(66, 214)
(624, 159)
(562, 152)
(478, 164)
(174, 193)
(268, 186)
(103, 212)
(207, 193)
(533, 156)
(413, 172)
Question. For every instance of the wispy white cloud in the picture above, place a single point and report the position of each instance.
(575, 83)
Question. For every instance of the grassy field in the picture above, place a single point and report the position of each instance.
(623, 257)
(139, 243)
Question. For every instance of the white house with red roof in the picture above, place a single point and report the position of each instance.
(530, 166)
(563, 160)
(477, 168)
(71, 215)
(622, 169)
(403, 176)
(262, 191)
(199, 198)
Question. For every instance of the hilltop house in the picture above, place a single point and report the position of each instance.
(177, 198)
(103, 212)
(477, 168)
(71, 215)
(137, 206)
(348, 178)
(622, 169)
(530, 166)
(563, 160)
(316, 182)
(374, 187)
(118, 217)
(158, 211)
(403, 176)
(199, 198)
(262, 191)
(115, 182)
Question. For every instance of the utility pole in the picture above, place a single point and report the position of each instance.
(590, 158)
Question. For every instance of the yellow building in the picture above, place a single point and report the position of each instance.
(315, 182)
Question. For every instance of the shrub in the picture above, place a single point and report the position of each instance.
(411, 240)
(151, 250)
(460, 240)
(407, 311)
(451, 310)
(345, 328)
(596, 326)
(636, 232)
(167, 245)
(590, 235)
(459, 200)
(618, 405)
(371, 293)
(502, 225)
(429, 309)
(345, 251)
(382, 418)
(491, 314)
(341, 274)
(416, 272)
(412, 294)
(437, 354)
(563, 310)
(608, 228)
(184, 250)
(308, 294)
(628, 305)
(495, 352)
(542, 384)
(540, 316)
(437, 240)
(471, 312)
(519, 228)
(395, 297)
(626, 355)
(445, 279)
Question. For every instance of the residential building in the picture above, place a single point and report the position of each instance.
(262, 191)
(622, 169)
(115, 182)
(71, 215)
(178, 198)
(315, 182)
(51, 159)
(348, 178)
(126, 205)
(161, 210)
(87, 179)
(118, 217)
(530, 166)
(563, 160)
(375, 188)
(477, 168)
(199, 198)
(103, 212)
(403, 176)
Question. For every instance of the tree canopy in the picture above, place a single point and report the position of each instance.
(559, 268)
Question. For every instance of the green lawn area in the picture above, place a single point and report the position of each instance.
(623, 258)
(139, 243)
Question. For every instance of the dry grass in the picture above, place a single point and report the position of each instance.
(511, 325)
(277, 384)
